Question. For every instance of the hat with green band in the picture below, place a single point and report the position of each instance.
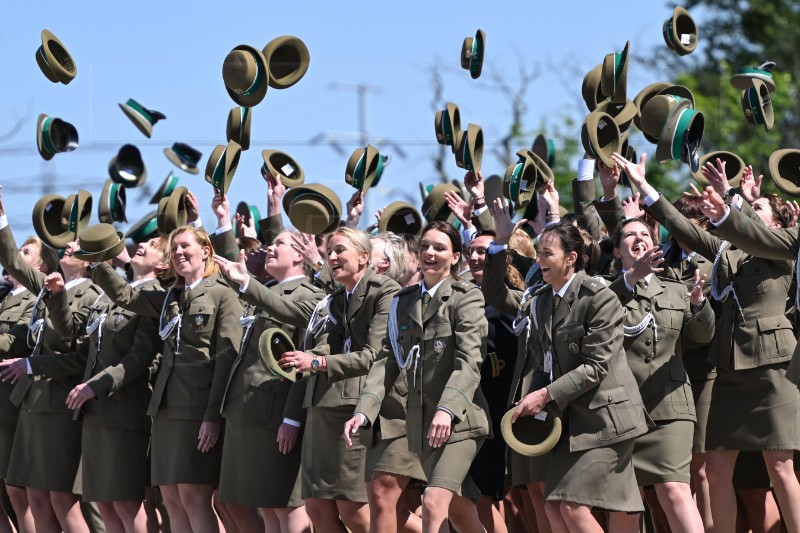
(383, 162)
(54, 136)
(184, 157)
(655, 112)
(54, 61)
(600, 136)
(629, 152)
(784, 167)
(623, 114)
(681, 134)
(47, 221)
(112, 203)
(77, 212)
(545, 148)
(313, 208)
(657, 89)
(143, 229)
(287, 61)
(100, 242)
(401, 218)
(245, 75)
(166, 188)
(531, 436)
(362, 168)
(282, 164)
(249, 212)
(680, 32)
(127, 167)
(592, 94)
(448, 124)
(425, 190)
(743, 77)
(222, 164)
(614, 75)
(172, 212)
(272, 344)
(435, 207)
(757, 105)
(142, 118)
(469, 151)
(238, 128)
(734, 167)
(521, 179)
(472, 52)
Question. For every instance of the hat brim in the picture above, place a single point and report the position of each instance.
(103, 255)
(175, 160)
(743, 80)
(141, 123)
(287, 61)
(272, 344)
(166, 188)
(732, 162)
(435, 207)
(316, 219)
(779, 166)
(547, 432)
(276, 161)
(105, 213)
(401, 218)
(143, 229)
(61, 73)
(172, 211)
(258, 94)
(47, 221)
(238, 130)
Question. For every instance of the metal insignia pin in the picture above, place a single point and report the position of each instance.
(573, 348)
(198, 320)
(438, 346)
(118, 320)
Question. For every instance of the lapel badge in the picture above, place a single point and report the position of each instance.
(118, 320)
(438, 346)
(198, 320)
(573, 348)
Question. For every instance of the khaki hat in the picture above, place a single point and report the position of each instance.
(222, 164)
(614, 75)
(245, 74)
(680, 32)
(142, 118)
(280, 163)
(521, 179)
(287, 61)
(54, 61)
(127, 167)
(784, 167)
(469, 152)
(734, 167)
(166, 188)
(112, 203)
(472, 52)
(448, 124)
(401, 218)
(362, 167)
(313, 208)
(530, 436)
(100, 242)
(54, 136)
(600, 136)
(184, 157)
(77, 212)
(681, 135)
(590, 89)
(434, 206)
(172, 211)
(657, 89)
(143, 229)
(629, 152)
(249, 212)
(545, 148)
(238, 128)
(655, 112)
(757, 105)
(623, 114)
(272, 344)
(743, 77)
(47, 221)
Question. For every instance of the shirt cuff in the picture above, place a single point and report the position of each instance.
(478, 212)
(3, 221)
(28, 365)
(448, 411)
(468, 234)
(223, 229)
(290, 422)
(724, 217)
(737, 205)
(496, 248)
(650, 199)
(197, 223)
(585, 170)
(243, 286)
(627, 286)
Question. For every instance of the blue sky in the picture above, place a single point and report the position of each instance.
(168, 56)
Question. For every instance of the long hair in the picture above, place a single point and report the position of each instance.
(455, 241)
(570, 239)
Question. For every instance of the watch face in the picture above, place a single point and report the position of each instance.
(314, 363)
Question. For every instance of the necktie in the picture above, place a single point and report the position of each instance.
(185, 297)
(556, 301)
(426, 299)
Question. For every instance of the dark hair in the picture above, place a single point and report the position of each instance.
(780, 213)
(248, 244)
(591, 249)
(618, 234)
(570, 239)
(412, 242)
(689, 206)
(452, 234)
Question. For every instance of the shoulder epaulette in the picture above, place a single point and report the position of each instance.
(593, 285)
(463, 286)
(410, 288)
(310, 286)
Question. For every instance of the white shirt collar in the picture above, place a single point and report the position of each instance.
(73, 283)
(18, 290)
(563, 290)
(432, 290)
(141, 281)
(292, 278)
(193, 285)
(684, 256)
(646, 280)
(350, 293)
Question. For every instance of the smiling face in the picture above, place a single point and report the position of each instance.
(148, 256)
(634, 240)
(69, 263)
(282, 260)
(30, 254)
(345, 261)
(764, 211)
(556, 265)
(477, 256)
(187, 257)
(436, 256)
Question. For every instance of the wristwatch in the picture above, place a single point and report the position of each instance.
(729, 194)
(315, 364)
(317, 266)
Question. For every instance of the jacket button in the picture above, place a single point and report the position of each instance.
(647, 309)
(610, 399)
(647, 342)
(648, 359)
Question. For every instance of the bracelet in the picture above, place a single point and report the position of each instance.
(553, 214)
(478, 197)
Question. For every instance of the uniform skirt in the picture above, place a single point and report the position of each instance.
(330, 470)
(114, 464)
(174, 457)
(663, 454)
(600, 477)
(254, 472)
(46, 452)
(392, 456)
(526, 470)
(448, 466)
(754, 409)
(702, 390)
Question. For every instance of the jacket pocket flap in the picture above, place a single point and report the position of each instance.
(609, 396)
(570, 331)
(440, 330)
(772, 323)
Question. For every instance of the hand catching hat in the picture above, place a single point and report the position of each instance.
(734, 167)
(272, 344)
(280, 163)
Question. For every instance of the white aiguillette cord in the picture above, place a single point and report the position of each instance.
(404, 362)
(633, 331)
(93, 325)
(722, 295)
(165, 330)
(35, 326)
(315, 323)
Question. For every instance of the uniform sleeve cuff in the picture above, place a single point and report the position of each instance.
(496, 248)
(223, 229)
(650, 199)
(290, 422)
(3, 221)
(243, 286)
(585, 170)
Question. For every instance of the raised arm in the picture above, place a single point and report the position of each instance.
(144, 302)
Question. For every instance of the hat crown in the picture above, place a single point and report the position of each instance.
(239, 71)
(98, 237)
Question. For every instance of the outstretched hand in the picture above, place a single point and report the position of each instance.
(713, 206)
(234, 271)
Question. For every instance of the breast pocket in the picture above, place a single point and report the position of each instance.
(669, 313)
(615, 410)
(199, 318)
(437, 340)
(775, 336)
(569, 337)
(119, 319)
(754, 274)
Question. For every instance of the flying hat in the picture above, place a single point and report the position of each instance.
(681, 130)
(313, 208)
(521, 179)
(469, 152)
(362, 167)
(184, 157)
(172, 211)
(656, 89)
(166, 188)
(245, 74)
(784, 167)
(614, 75)
(600, 136)
(112, 203)
(680, 32)
(401, 218)
(47, 221)
(654, 114)
(222, 165)
(77, 212)
(472, 52)
(530, 435)
(142, 118)
(100, 242)
(448, 124)
(287, 61)
(127, 167)
(143, 229)
(623, 114)
(743, 76)
(545, 148)
(435, 207)
(54, 136)
(54, 61)
(238, 129)
(734, 167)
(757, 105)
(272, 344)
(590, 89)
(629, 152)
(280, 163)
